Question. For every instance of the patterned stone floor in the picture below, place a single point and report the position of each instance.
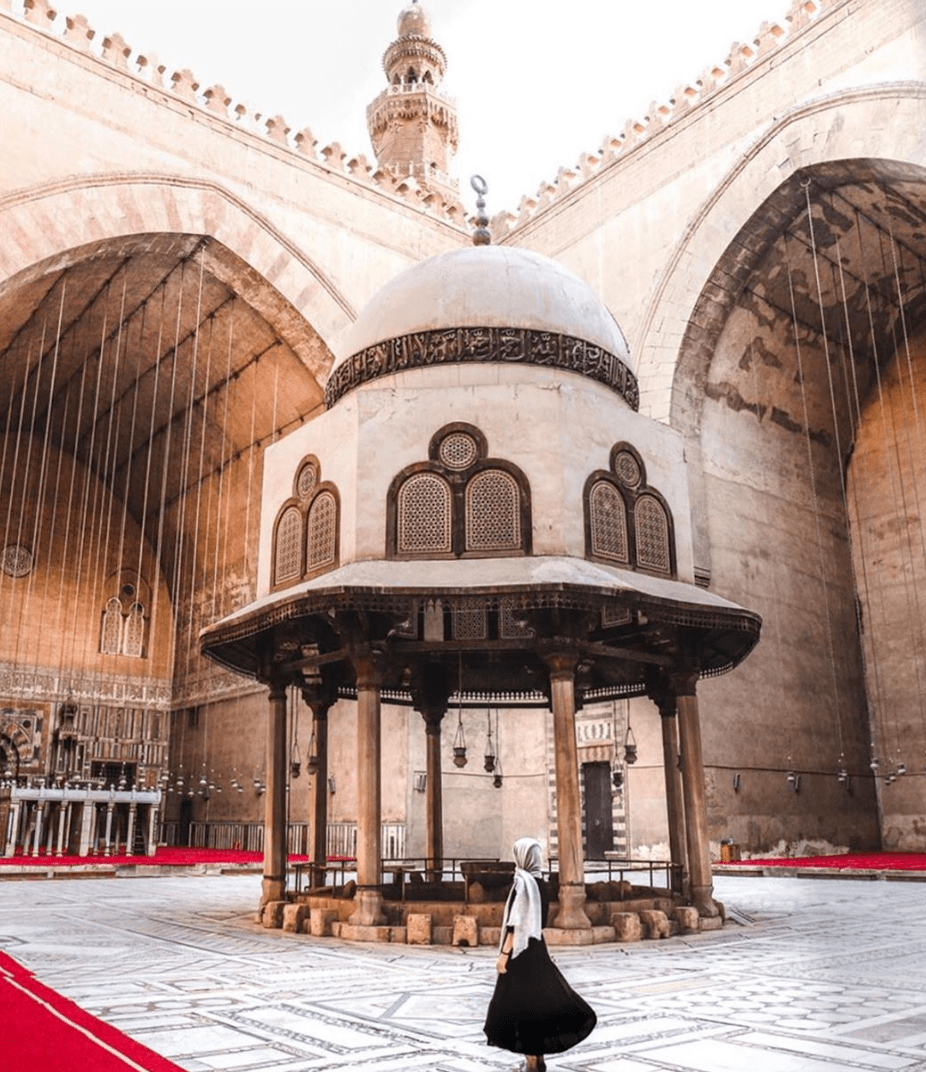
(808, 976)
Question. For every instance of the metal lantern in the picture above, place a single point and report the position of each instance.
(630, 747)
(489, 758)
(295, 759)
(459, 742)
(311, 760)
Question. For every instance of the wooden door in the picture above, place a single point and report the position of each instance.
(599, 825)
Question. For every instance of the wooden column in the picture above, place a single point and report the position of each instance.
(433, 800)
(368, 899)
(663, 696)
(273, 886)
(571, 914)
(694, 793)
(319, 706)
(430, 692)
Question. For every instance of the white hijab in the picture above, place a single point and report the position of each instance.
(522, 909)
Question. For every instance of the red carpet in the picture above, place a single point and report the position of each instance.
(40, 1031)
(852, 861)
(163, 857)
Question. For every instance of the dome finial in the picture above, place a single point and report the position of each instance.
(414, 21)
(481, 236)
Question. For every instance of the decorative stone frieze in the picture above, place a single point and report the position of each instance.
(503, 345)
(40, 683)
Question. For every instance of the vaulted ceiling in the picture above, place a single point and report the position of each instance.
(158, 361)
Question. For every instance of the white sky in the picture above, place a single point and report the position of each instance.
(537, 82)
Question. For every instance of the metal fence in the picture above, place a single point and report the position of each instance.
(249, 837)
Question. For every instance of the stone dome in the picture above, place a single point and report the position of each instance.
(414, 22)
(486, 287)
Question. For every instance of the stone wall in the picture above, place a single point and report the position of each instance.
(887, 495)
(656, 222)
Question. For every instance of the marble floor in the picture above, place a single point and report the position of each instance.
(807, 976)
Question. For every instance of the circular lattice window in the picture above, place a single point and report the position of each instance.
(307, 479)
(627, 469)
(16, 560)
(458, 450)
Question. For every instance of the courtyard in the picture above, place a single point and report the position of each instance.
(807, 976)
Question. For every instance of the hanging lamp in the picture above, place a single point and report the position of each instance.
(295, 759)
(630, 747)
(459, 740)
(497, 780)
(489, 759)
(311, 760)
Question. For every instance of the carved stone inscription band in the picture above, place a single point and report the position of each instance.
(507, 345)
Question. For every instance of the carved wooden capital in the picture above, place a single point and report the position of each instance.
(562, 665)
(685, 682)
(661, 690)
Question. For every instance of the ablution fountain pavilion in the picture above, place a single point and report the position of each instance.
(481, 515)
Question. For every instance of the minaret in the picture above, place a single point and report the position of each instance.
(413, 126)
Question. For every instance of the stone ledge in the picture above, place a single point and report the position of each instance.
(353, 932)
(580, 936)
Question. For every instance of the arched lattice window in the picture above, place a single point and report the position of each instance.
(626, 521)
(133, 635)
(423, 515)
(608, 523)
(652, 530)
(287, 561)
(493, 512)
(111, 631)
(122, 631)
(321, 546)
(459, 502)
(305, 537)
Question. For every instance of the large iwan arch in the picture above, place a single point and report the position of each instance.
(881, 122)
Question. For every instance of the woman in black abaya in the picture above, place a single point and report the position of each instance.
(534, 1010)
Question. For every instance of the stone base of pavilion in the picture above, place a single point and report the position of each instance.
(640, 915)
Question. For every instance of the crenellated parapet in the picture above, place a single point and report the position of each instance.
(413, 100)
(742, 57)
(217, 104)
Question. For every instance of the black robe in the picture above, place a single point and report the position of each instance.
(534, 1010)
